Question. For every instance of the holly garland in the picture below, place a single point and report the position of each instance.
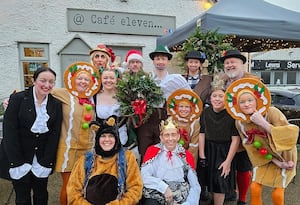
(138, 94)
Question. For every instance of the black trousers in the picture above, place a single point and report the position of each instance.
(27, 183)
(150, 202)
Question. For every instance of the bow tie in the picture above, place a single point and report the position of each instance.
(85, 101)
(169, 155)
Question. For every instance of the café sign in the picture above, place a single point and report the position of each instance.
(119, 22)
(274, 65)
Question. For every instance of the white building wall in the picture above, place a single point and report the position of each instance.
(44, 21)
(282, 54)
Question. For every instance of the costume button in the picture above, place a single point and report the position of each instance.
(51, 163)
(12, 163)
(36, 148)
(37, 135)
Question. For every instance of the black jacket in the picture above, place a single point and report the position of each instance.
(19, 144)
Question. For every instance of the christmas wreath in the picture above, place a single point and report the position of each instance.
(138, 94)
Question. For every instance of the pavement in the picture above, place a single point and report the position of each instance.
(292, 193)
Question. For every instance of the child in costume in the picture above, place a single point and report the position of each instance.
(233, 62)
(168, 170)
(268, 138)
(185, 107)
(218, 143)
(109, 175)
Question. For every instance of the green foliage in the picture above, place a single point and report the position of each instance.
(138, 86)
(212, 43)
(1, 109)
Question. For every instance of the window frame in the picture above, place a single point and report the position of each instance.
(24, 59)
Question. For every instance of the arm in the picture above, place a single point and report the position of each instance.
(195, 189)
(150, 180)
(75, 184)
(202, 156)
(225, 166)
(283, 135)
(134, 184)
(11, 129)
(123, 134)
(194, 141)
(258, 119)
(201, 145)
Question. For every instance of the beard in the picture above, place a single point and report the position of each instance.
(232, 74)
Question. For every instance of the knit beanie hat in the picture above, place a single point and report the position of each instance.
(132, 55)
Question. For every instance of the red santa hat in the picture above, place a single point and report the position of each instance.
(132, 55)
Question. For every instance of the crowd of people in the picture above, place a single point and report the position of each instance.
(213, 136)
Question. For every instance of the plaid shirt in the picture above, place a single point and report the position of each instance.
(193, 80)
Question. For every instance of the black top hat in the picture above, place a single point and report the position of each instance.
(233, 54)
(195, 55)
(160, 49)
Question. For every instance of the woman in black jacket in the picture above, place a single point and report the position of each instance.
(31, 130)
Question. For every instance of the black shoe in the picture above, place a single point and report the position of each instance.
(241, 203)
(204, 196)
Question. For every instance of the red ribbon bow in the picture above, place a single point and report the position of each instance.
(85, 101)
(139, 107)
(251, 133)
(184, 134)
(169, 155)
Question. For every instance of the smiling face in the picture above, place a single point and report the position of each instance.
(107, 141)
(184, 109)
(109, 79)
(169, 137)
(193, 65)
(247, 103)
(217, 100)
(82, 81)
(233, 67)
(160, 62)
(44, 83)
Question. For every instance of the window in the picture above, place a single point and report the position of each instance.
(278, 78)
(291, 77)
(266, 77)
(32, 56)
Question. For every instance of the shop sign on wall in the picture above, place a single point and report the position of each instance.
(274, 65)
(119, 22)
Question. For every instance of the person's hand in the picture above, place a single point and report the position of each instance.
(284, 165)
(288, 165)
(202, 162)
(168, 195)
(225, 166)
(5, 103)
(257, 118)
